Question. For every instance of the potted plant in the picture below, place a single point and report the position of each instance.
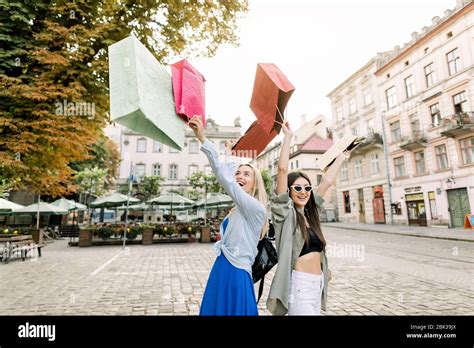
(147, 234)
(132, 232)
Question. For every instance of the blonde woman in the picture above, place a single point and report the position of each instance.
(299, 286)
(229, 289)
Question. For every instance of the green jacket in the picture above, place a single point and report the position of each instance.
(289, 243)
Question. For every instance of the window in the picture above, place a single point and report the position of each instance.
(172, 150)
(291, 165)
(193, 146)
(193, 169)
(344, 172)
(374, 163)
(460, 102)
(157, 169)
(318, 179)
(395, 131)
(358, 168)
(467, 150)
(420, 162)
(347, 202)
(399, 163)
(140, 170)
(207, 169)
(352, 106)
(391, 95)
(296, 164)
(367, 96)
(355, 131)
(370, 127)
(396, 209)
(410, 86)
(454, 62)
(173, 172)
(141, 145)
(441, 156)
(157, 146)
(429, 75)
(339, 115)
(435, 115)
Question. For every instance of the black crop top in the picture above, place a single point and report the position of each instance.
(314, 244)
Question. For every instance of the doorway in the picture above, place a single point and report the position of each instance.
(458, 205)
(361, 206)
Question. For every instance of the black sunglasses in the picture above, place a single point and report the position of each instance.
(299, 188)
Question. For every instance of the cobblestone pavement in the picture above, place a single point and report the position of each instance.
(374, 274)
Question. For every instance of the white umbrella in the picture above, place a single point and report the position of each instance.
(114, 200)
(136, 207)
(171, 199)
(69, 204)
(7, 206)
(42, 208)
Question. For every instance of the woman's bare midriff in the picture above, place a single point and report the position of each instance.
(309, 263)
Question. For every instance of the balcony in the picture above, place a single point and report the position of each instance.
(416, 140)
(372, 140)
(458, 124)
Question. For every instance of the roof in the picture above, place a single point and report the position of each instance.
(316, 143)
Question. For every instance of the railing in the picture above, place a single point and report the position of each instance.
(459, 119)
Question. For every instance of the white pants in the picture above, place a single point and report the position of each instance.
(305, 293)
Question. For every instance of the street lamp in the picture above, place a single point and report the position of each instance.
(387, 167)
(131, 179)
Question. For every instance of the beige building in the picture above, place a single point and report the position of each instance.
(309, 142)
(151, 158)
(362, 185)
(427, 98)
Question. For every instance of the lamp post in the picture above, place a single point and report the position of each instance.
(131, 179)
(387, 167)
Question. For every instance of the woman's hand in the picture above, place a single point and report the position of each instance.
(229, 144)
(287, 130)
(196, 125)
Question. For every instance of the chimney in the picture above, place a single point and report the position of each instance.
(447, 13)
(459, 4)
(435, 20)
(414, 36)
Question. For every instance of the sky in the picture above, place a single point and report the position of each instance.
(317, 44)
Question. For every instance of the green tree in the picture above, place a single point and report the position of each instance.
(267, 180)
(104, 155)
(150, 186)
(54, 59)
(202, 184)
(91, 181)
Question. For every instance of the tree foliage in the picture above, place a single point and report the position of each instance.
(204, 183)
(54, 73)
(267, 180)
(150, 186)
(91, 181)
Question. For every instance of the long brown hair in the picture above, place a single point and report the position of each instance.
(258, 192)
(310, 211)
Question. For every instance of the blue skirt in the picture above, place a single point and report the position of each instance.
(229, 291)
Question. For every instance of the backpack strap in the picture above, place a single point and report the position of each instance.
(260, 288)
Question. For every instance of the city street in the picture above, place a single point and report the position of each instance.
(373, 274)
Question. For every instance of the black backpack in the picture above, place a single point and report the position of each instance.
(264, 261)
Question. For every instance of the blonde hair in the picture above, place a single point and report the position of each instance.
(258, 191)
